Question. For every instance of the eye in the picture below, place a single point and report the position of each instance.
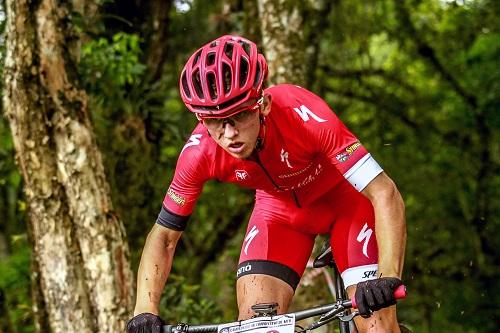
(242, 115)
(212, 122)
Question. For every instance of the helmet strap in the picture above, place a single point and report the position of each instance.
(259, 145)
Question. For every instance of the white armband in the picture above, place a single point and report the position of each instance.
(363, 172)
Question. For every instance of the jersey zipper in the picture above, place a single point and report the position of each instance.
(295, 198)
(258, 161)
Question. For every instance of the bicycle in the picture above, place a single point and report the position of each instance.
(266, 319)
(336, 286)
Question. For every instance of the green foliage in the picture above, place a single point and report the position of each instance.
(8, 173)
(130, 115)
(427, 136)
(15, 276)
(183, 303)
(108, 66)
(442, 150)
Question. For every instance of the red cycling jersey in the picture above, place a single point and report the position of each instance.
(307, 150)
(307, 160)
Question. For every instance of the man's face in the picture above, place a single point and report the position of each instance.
(238, 134)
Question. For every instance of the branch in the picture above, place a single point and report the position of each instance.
(366, 72)
(482, 198)
(373, 100)
(427, 52)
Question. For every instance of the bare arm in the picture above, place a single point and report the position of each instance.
(156, 262)
(390, 224)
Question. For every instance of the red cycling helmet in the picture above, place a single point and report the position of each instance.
(222, 75)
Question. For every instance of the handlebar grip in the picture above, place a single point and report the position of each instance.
(399, 293)
(167, 328)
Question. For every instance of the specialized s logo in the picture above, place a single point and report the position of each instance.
(304, 113)
(364, 236)
(284, 158)
(194, 140)
(250, 236)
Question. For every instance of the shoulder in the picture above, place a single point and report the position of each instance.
(286, 93)
(198, 147)
(299, 104)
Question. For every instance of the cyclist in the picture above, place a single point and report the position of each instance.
(311, 175)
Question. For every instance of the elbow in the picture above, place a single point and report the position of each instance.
(384, 192)
(395, 196)
(164, 237)
(391, 195)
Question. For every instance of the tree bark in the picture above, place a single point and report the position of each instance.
(78, 242)
(282, 39)
(157, 32)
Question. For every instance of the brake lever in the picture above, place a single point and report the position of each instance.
(349, 317)
(327, 317)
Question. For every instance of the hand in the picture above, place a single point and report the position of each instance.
(373, 295)
(145, 323)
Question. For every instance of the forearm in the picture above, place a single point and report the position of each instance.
(390, 229)
(154, 268)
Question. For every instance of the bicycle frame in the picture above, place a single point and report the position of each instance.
(336, 286)
(340, 293)
(328, 312)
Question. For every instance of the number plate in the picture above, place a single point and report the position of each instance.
(275, 324)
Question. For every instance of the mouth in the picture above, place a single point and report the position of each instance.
(236, 147)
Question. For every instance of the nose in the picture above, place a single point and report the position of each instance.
(230, 130)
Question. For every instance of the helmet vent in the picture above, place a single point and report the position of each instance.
(258, 73)
(212, 87)
(245, 46)
(196, 58)
(226, 71)
(228, 50)
(185, 85)
(197, 84)
(232, 101)
(211, 59)
(243, 71)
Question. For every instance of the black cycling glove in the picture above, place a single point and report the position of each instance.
(373, 295)
(145, 323)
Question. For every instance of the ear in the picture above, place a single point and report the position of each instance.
(266, 104)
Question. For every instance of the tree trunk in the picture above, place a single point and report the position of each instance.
(78, 242)
(157, 31)
(282, 39)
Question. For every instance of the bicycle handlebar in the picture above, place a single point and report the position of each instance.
(399, 293)
(209, 328)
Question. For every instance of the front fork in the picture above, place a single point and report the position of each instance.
(340, 293)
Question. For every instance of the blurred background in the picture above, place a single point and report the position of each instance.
(418, 81)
